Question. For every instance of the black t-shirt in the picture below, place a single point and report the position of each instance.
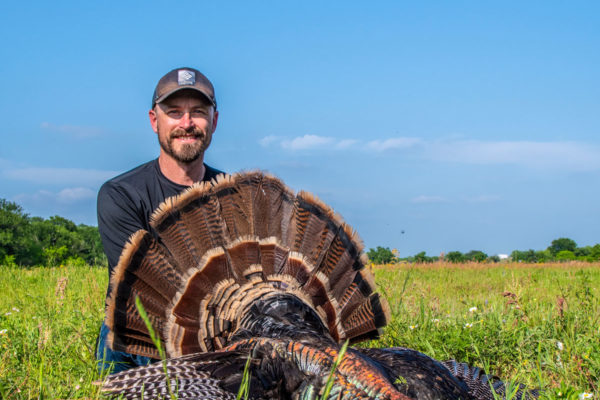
(126, 202)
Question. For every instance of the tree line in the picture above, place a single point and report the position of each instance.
(29, 241)
(561, 249)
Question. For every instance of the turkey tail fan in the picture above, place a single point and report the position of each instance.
(227, 245)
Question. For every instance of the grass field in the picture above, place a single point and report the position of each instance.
(535, 324)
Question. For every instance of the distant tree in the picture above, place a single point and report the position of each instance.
(565, 255)
(28, 240)
(583, 252)
(475, 255)
(531, 256)
(381, 255)
(493, 259)
(527, 256)
(422, 258)
(561, 244)
(55, 255)
(91, 250)
(58, 239)
(594, 253)
(14, 232)
(455, 257)
(542, 256)
(517, 255)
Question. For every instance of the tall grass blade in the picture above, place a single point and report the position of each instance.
(244, 390)
(337, 362)
(156, 341)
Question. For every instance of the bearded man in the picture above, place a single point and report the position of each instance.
(184, 116)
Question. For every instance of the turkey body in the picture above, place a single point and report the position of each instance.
(248, 280)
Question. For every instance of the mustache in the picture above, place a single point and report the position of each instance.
(182, 132)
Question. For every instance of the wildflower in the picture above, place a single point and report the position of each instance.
(412, 327)
(472, 309)
(8, 313)
(585, 395)
(15, 309)
(77, 387)
(468, 325)
(435, 321)
(3, 331)
(559, 346)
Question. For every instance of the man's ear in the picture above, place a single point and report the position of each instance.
(153, 120)
(215, 120)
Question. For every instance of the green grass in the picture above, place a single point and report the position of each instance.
(50, 318)
(47, 346)
(511, 319)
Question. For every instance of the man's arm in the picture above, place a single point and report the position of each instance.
(119, 216)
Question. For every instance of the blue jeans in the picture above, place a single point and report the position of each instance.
(116, 361)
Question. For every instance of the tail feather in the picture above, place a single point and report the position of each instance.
(367, 317)
(228, 244)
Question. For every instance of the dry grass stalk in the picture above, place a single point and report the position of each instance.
(59, 292)
(44, 336)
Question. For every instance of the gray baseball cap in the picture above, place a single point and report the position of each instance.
(182, 79)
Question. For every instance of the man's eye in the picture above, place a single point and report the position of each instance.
(173, 113)
(199, 113)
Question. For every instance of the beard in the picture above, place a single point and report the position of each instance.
(187, 152)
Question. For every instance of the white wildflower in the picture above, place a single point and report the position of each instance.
(412, 327)
(8, 313)
(3, 331)
(559, 345)
(472, 309)
(468, 325)
(435, 321)
(585, 395)
(15, 309)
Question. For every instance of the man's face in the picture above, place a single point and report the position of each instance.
(185, 123)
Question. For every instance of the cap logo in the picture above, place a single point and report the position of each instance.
(185, 77)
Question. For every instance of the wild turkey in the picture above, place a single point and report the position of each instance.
(243, 267)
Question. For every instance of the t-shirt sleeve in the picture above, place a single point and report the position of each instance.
(118, 219)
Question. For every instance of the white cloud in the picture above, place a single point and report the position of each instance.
(552, 155)
(73, 130)
(393, 143)
(67, 176)
(66, 196)
(73, 195)
(424, 199)
(267, 140)
(307, 142)
(566, 155)
(345, 143)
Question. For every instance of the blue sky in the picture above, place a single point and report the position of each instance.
(465, 125)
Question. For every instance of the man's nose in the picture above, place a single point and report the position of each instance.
(186, 121)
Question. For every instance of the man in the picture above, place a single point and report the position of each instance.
(184, 116)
